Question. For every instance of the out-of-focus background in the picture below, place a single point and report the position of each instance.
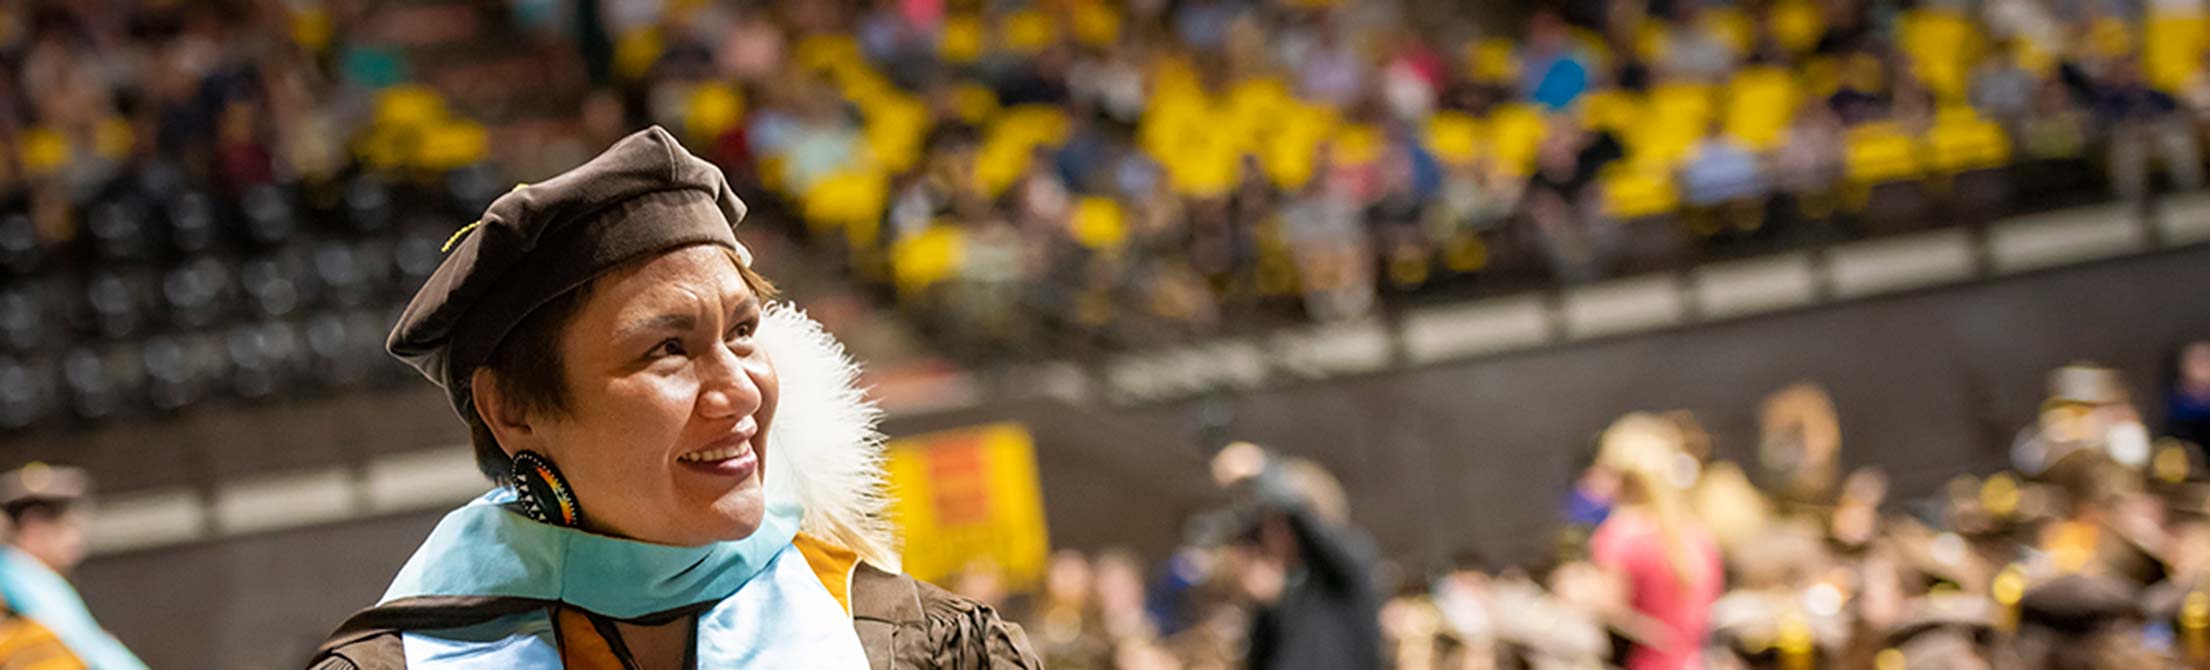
(1425, 251)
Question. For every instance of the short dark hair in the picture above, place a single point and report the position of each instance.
(37, 509)
(528, 366)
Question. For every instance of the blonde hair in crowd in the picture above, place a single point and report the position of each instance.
(1645, 451)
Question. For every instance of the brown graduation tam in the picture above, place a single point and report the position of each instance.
(40, 481)
(644, 196)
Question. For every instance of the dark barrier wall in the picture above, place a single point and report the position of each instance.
(1928, 385)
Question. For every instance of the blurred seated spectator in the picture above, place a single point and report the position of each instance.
(2187, 404)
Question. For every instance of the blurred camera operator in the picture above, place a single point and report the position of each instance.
(1305, 569)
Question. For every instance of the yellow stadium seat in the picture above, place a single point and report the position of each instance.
(1943, 47)
(42, 150)
(1174, 76)
(1515, 134)
(895, 131)
(1493, 60)
(312, 28)
(1761, 101)
(1454, 137)
(2172, 47)
(974, 103)
(1819, 77)
(1636, 190)
(1796, 24)
(1733, 27)
(1204, 165)
(1678, 115)
(1879, 152)
(714, 108)
(2109, 37)
(1096, 23)
(113, 138)
(960, 38)
(409, 106)
(927, 257)
(1009, 142)
(1609, 109)
(1291, 157)
(452, 143)
(1255, 106)
(1651, 41)
(1098, 223)
(1035, 124)
(1026, 31)
(1961, 140)
(636, 51)
(826, 52)
(844, 197)
(1357, 144)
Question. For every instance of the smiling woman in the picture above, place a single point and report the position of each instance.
(622, 370)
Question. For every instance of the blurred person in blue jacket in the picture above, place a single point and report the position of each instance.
(47, 506)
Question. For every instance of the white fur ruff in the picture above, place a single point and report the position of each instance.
(823, 447)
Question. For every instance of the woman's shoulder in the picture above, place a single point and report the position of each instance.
(922, 627)
(375, 652)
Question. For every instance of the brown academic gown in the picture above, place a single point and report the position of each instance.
(903, 624)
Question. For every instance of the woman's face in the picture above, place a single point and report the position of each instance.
(665, 439)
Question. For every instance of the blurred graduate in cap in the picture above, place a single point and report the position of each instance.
(689, 477)
(45, 505)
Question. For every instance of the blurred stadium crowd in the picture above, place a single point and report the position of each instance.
(230, 201)
(214, 200)
(2092, 552)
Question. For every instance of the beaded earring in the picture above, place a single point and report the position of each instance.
(545, 494)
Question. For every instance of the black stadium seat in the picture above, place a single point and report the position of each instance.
(171, 381)
(275, 284)
(472, 188)
(23, 317)
(416, 255)
(117, 309)
(99, 385)
(270, 217)
(25, 392)
(120, 230)
(263, 358)
(197, 292)
(341, 273)
(193, 222)
(21, 250)
(368, 206)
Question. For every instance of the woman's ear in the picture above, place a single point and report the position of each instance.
(510, 427)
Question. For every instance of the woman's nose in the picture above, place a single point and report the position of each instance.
(726, 388)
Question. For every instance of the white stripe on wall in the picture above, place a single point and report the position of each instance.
(2064, 238)
(423, 479)
(1740, 288)
(145, 519)
(1900, 263)
(1458, 331)
(286, 500)
(1623, 306)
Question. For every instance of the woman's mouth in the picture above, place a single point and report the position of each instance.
(735, 461)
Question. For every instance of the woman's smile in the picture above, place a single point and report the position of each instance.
(731, 456)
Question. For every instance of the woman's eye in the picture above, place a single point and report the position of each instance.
(667, 347)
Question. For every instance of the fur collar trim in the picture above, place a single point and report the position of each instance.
(824, 447)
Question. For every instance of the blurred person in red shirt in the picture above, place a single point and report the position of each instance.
(1663, 568)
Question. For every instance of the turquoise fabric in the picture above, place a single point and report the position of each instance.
(784, 619)
(483, 549)
(35, 591)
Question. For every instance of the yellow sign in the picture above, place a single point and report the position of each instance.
(969, 499)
